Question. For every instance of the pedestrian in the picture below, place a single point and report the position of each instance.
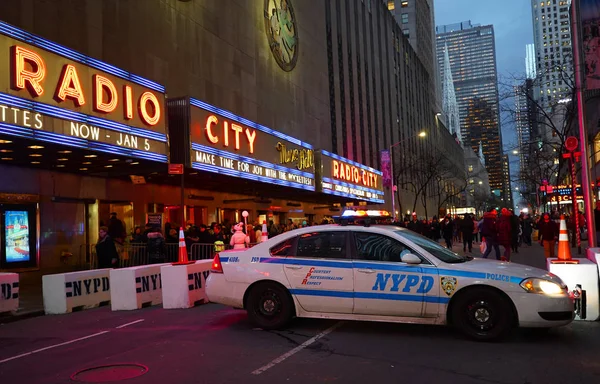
(548, 234)
(155, 247)
(505, 233)
(415, 224)
(466, 228)
(489, 231)
(106, 251)
(448, 231)
(116, 229)
(475, 230)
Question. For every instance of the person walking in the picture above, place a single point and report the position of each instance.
(106, 251)
(527, 229)
(475, 230)
(515, 231)
(466, 227)
(489, 231)
(548, 234)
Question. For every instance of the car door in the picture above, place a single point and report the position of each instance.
(320, 272)
(383, 284)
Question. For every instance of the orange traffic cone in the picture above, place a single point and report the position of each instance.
(564, 248)
(183, 256)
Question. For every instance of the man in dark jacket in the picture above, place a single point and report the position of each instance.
(489, 231)
(548, 234)
(116, 228)
(106, 251)
(415, 225)
(467, 227)
(156, 247)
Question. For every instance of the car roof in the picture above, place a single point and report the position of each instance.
(338, 227)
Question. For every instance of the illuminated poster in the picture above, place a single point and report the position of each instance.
(16, 236)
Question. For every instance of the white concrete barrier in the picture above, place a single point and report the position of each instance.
(585, 274)
(66, 292)
(9, 292)
(184, 285)
(135, 287)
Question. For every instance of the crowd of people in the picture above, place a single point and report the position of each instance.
(158, 243)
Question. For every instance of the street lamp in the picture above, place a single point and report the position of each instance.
(421, 134)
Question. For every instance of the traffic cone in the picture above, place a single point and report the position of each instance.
(265, 235)
(564, 248)
(183, 256)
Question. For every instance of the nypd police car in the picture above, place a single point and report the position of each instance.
(384, 273)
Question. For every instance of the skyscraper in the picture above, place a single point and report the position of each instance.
(522, 121)
(530, 70)
(472, 54)
(552, 39)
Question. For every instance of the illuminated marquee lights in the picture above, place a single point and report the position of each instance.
(212, 120)
(249, 160)
(362, 166)
(70, 86)
(23, 77)
(241, 120)
(102, 84)
(344, 184)
(128, 102)
(48, 45)
(56, 138)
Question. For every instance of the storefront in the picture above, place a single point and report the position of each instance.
(66, 122)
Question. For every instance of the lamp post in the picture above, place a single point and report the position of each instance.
(420, 134)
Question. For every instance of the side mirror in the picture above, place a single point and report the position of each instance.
(411, 259)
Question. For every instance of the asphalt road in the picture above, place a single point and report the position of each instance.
(215, 344)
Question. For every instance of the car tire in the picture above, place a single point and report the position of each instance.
(483, 314)
(269, 306)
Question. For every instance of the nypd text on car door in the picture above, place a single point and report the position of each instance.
(384, 284)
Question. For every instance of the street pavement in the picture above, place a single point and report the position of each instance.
(216, 344)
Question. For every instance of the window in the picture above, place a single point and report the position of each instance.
(435, 249)
(406, 32)
(283, 249)
(404, 18)
(404, 4)
(391, 5)
(322, 245)
(376, 247)
(470, 168)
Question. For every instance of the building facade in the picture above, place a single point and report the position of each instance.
(553, 51)
(472, 55)
(478, 187)
(281, 111)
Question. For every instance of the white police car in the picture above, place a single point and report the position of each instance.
(384, 273)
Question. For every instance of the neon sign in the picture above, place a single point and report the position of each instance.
(225, 143)
(346, 178)
(48, 87)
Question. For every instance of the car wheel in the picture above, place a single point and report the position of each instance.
(269, 306)
(483, 314)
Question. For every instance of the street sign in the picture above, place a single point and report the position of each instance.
(571, 143)
(175, 169)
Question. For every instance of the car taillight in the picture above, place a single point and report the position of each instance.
(216, 265)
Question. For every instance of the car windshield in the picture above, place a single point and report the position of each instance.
(444, 254)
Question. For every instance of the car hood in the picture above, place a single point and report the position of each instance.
(498, 270)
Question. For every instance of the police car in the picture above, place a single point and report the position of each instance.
(384, 273)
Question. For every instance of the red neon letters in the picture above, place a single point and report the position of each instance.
(29, 72)
(353, 174)
(212, 121)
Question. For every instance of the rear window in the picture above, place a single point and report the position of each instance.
(283, 249)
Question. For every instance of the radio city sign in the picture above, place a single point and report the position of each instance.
(225, 143)
(55, 94)
(346, 178)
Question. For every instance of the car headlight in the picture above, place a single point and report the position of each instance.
(542, 286)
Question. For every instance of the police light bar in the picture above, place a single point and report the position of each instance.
(365, 213)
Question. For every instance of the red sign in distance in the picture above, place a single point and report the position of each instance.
(175, 169)
(571, 143)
